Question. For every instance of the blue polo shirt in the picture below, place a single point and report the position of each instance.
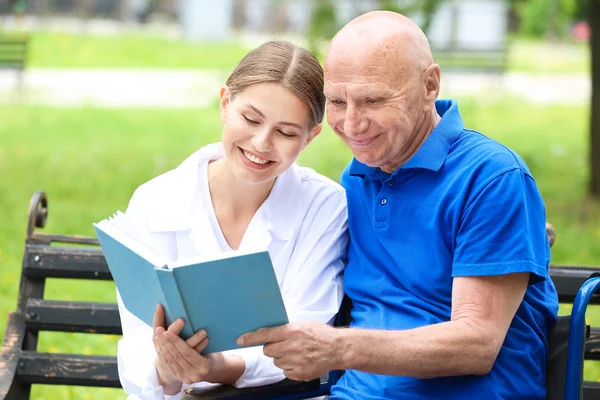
(463, 205)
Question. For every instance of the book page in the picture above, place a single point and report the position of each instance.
(122, 229)
(215, 256)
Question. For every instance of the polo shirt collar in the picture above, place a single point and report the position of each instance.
(433, 152)
(279, 214)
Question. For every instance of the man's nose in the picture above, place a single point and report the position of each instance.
(261, 141)
(354, 122)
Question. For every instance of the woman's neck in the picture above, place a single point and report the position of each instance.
(235, 202)
(226, 188)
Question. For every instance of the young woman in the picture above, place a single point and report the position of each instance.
(243, 193)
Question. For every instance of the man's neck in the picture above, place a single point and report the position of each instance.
(420, 135)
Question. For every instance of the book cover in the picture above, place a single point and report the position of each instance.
(228, 296)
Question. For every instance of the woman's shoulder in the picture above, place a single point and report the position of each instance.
(173, 189)
(314, 182)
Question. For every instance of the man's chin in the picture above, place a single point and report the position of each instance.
(367, 159)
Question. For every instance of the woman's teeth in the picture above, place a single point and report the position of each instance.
(254, 159)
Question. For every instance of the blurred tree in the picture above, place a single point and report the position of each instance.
(324, 23)
(544, 18)
(593, 13)
(239, 14)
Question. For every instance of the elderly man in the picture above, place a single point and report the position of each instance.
(448, 261)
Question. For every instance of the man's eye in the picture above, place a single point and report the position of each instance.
(250, 121)
(372, 101)
(336, 102)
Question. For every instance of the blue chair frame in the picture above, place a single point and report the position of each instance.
(573, 386)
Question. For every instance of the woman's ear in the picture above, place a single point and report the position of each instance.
(314, 132)
(224, 103)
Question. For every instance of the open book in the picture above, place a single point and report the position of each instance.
(227, 296)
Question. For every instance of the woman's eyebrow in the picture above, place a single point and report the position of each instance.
(290, 124)
(256, 110)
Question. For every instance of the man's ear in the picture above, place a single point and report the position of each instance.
(224, 103)
(432, 85)
(314, 132)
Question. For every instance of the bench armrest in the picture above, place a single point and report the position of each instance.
(11, 349)
(287, 389)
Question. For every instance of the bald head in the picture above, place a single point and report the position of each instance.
(381, 85)
(383, 35)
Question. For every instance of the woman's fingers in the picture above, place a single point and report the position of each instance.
(201, 346)
(159, 317)
(176, 327)
(196, 338)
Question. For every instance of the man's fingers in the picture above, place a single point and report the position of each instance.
(196, 338)
(159, 317)
(274, 350)
(263, 335)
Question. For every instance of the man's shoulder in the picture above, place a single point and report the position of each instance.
(478, 154)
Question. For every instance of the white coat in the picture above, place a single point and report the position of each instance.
(303, 224)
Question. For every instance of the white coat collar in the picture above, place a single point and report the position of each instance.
(177, 209)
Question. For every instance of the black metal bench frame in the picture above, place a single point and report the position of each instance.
(21, 365)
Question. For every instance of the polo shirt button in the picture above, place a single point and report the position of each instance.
(392, 182)
(383, 202)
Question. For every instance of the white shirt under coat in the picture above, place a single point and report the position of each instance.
(303, 224)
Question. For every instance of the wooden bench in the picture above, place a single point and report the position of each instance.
(13, 55)
(49, 256)
(471, 60)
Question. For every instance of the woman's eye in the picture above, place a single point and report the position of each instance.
(282, 133)
(250, 121)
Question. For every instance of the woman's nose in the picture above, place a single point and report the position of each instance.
(262, 141)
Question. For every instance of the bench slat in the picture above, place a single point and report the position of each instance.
(12, 41)
(591, 390)
(568, 280)
(592, 345)
(68, 369)
(12, 66)
(229, 392)
(68, 316)
(44, 261)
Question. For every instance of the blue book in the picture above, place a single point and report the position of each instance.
(228, 296)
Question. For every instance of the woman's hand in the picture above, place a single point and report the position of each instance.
(178, 360)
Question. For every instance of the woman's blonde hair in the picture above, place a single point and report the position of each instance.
(283, 62)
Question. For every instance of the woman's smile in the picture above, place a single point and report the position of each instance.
(253, 160)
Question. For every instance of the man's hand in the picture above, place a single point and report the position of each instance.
(303, 350)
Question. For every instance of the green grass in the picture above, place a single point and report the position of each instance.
(138, 50)
(130, 50)
(89, 161)
(536, 56)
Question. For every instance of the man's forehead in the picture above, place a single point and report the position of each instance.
(364, 67)
(341, 85)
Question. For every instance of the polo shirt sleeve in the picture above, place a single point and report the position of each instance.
(502, 230)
